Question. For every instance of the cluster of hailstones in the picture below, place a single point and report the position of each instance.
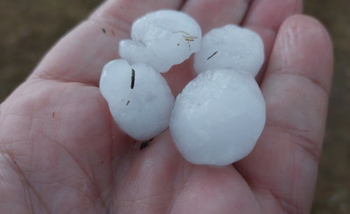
(219, 115)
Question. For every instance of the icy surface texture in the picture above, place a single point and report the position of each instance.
(141, 103)
(230, 47)
(218, 117)
(162, 39)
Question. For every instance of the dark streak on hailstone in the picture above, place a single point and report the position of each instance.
(132, 78)
(212, 55)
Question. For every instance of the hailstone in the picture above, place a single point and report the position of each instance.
(139, 98)
(218, 117)
(162, 39)
(230, 47)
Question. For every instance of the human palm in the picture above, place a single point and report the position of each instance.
(61, 152)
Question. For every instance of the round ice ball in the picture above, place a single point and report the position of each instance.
(218, 117)
(162, 39)
(139, 98)
(230, 47)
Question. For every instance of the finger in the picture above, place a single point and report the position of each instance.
(265, 17)
(283, 166)
(216, 13)
(80, 56)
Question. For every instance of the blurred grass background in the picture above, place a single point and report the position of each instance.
(29, 28)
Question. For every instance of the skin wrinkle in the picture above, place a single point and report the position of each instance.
(138, 185)
(31, 104)
(84, 171)
(287, 206)
(177, 191)
(308, 145)
(122, 182)
(109, 188)
(249, 6)
(28, 200)
(180, 181)
(23, 179)
(181, 191)
(182, 177)
(145, 200)
(28, 189)
(2, 176)
(282, 204)
(45, 75)
(282, 199)
(95, 194)
(132, 204)
(181, 6)
(313, 81)
(288, 201)
(192, 186)
(76, 190)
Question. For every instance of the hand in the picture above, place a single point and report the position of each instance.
(61, 152)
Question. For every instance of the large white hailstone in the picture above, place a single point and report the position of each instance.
(162, 39)
(139, 98)
(218, 117)
(230, 47)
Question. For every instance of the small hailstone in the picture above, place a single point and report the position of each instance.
(218, 117)
(162, 39)
(139, 98)
(230, 47)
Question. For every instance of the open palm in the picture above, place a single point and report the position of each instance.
(61, 152)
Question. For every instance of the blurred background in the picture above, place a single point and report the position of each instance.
(29, 28)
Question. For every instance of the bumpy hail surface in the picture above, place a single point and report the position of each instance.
(230, 47)
(218, 117)
(144, 111)
(162, 39)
